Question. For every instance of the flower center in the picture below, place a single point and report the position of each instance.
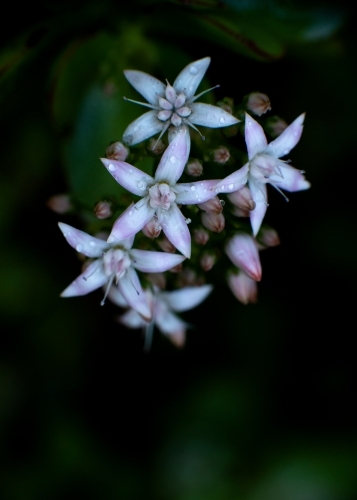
(161, 196)
(172, 106)
(116, 262)
(264, 166)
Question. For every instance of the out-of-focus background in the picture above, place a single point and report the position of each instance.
(260, 405)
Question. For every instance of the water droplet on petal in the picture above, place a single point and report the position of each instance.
(199, 199)
(130, 213)
(131, 170)
(92, 243)
(193, 188)
(111, 167)
(193, 70)
(142, 185)
(286, 151)
(222, 120)
(173, 159)
(79, 248)
(231, 186)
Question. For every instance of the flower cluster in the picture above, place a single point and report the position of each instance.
(184, 218)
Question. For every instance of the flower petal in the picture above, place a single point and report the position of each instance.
(148, 86)
(243, 252)
(142, 128)
(171, 325)
(190, 77)
(211, 116)
(254, 137)
(175, 157)
(288, 139)
(154, 262)
(292, 180)
(131, 221)
(233, 182)
(131, 289)
(117, 297)
(128, 176)
(191, 193)
(92, 278)
(175, 227)
(131, 319)
(244, 288)
(260, 196)
(186, 298)
(83, 242)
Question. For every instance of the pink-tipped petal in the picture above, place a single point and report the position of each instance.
(187, 298)
(288, 139)
(254, 137)
(171, 325)
(243, 288)
(83, 242)
(190, 77)
(131, 221)
(233, 182)
(142, 128)
(131, 178)
(192, 193)
(243, 252)
(175, 228)
(117, 297)
(211, 116)
(174, 159)
(154, 262)
(292, 180)
(92, 278)
(148, 86)
(131, 289)
(260, 197)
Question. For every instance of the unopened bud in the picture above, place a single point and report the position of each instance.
(227, 104)
(238, 212)
(176, 269)
(155, 146)
(207, 261)
(213, 222)
(157, 279)
(212, 206)
(152, 228)
(194, 167)
(117, 151)
(275, 126)
(258, 103)
(103, 210)
(243, 288)
(178, 338)
(221, 155)
(166, 245)
(243, 252)
(200, 236)
(188, 277)
(60, 203)
(242, 199)
(268, 237)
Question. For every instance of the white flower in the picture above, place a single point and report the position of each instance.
(173, 105)
(265, 167)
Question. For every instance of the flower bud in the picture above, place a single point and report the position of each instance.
(268, 237)
(60, 203)
(238, 212)
(166, 245)
(258, 103)
(103, 210)
(212, 206)
(275, 126)
(152, 228)
(200, 236)
(243, 252)
(176, 269)
(178, 338)
(207, 261)
(155, 146)
(157, 279)
(227, 104)
(213, 222)
(117, 151)
(221, 155)
(188, 277)
(242, 199)
(194, 167)
(243, 288)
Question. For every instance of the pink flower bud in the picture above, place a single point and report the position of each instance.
(238, 212)
(103, 210)
(200, 236)
(178, 338)
(275, 126)
(243, 288)
(242, 199)
(194, 167)
(157, 279)
(60, 203)
(243, 252)
(268, 237)
(227, 104)
(152, 228)
(221, 155)
(213, 222)
(207, 261)
(117, 151)
(258, 103)
(176, 269)
(188, 277)
(166, 245)
(212, 206)
(155, 146)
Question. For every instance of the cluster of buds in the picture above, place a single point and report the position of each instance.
(184, 218)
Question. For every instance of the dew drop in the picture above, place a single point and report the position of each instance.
(92, 243)
(142, 185)
(193, 188)
(79, 248)
(222, 120)
(193, 70)
(130, 213)
(199, 199)
(111, 167)
(286, 151)
(173, 159)
(131, 170)
(231, 186)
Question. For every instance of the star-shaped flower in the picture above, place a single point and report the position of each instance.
(115, 262)
(173, 105)
(164, 305)
(264, 166)
(161, 194)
